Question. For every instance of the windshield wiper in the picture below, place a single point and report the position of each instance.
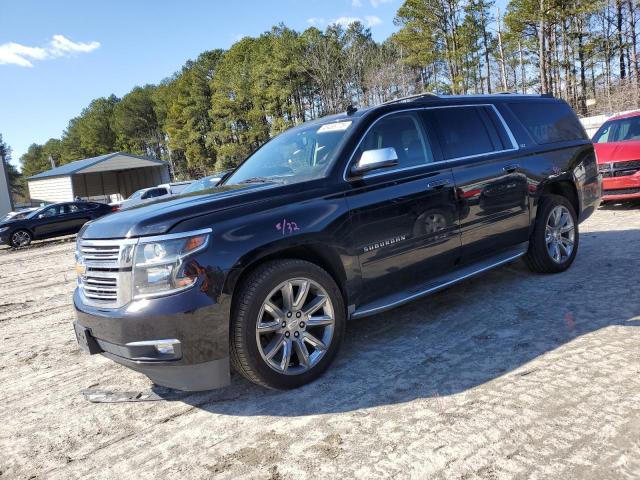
(262, 180)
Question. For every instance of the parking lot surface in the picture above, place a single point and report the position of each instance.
(509, 375)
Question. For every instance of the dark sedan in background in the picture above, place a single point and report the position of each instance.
(49, 221)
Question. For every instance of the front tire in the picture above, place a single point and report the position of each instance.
(554, 242)
(20, 238)
(287, 324)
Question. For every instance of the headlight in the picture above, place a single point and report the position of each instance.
(159, 263)
(3, 229)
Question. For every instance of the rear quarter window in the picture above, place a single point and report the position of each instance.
(549, 122)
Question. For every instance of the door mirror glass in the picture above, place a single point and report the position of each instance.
(376, 159)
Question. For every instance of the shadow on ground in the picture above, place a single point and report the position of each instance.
(624, 205)
(455, 340)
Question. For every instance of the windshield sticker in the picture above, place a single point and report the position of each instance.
(334, 127)
(286, 227)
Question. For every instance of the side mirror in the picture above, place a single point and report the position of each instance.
(375, 159)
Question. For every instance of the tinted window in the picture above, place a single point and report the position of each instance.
(618, 130)
(70, 208)
(401, 131)
(549, 122)
(155, 192)
(49, 212)
(463, 131)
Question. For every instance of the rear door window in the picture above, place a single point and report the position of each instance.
(464, 131)
(70, 208)
(549, 122)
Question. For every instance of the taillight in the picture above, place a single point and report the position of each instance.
(115, 208)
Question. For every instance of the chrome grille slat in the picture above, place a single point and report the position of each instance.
(100, 290)
(91, 280)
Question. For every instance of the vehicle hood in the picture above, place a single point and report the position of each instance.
(12, 221)
(617, 151)
(158, 217)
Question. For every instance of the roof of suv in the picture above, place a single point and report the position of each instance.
(423, 99)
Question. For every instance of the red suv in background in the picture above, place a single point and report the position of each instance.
(617, 144)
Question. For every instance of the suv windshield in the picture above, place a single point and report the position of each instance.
(203, 184)
(618, 130)
(300, 154)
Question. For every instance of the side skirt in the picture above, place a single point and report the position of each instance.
(451, 278)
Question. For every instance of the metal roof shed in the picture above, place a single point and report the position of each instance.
(6, 205)
(105, 178)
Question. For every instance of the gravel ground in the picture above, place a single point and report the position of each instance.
(510, 375)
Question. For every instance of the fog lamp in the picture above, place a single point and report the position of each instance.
(165, 348)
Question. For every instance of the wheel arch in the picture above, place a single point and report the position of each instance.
(26, 229)
(565, 188)
(321, 255)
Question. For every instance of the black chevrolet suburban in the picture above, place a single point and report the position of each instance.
(339, 218)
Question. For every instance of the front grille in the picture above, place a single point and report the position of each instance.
(106, 281)
(100, 286)
(625, 173)
(101, 253)
(619, 169)
(627, 165)
(622, 191)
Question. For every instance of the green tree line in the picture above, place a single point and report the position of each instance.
(226, 103)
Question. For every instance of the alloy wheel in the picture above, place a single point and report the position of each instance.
(20, 238)
(295, 326)
(560, 234)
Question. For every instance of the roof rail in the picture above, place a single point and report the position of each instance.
(410, 97)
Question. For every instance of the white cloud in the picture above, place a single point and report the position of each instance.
(377, 3)
(356, 3)
(315, 21)
(367, 21)
(16, 54)
(372, 20)
(60, 46)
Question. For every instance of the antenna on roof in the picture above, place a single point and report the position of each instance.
(408, 98)
(351, 110)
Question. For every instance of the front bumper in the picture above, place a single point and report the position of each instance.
(179, 341)
(621, 187)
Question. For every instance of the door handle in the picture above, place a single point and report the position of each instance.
(437, 184)
(511, 168)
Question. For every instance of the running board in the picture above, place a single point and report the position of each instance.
(400, 298)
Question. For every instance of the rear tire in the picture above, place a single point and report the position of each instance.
(20, 238)
(287, 324)
(555, 239)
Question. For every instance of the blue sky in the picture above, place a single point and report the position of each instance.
(81, 50)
